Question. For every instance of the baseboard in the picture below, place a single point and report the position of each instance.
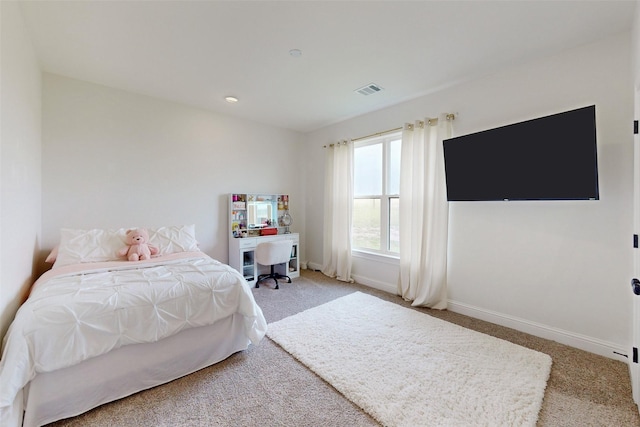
(313, 266)
(381, 286)
(583, 342)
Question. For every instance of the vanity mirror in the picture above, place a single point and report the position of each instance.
(261, 211)
(258, 214)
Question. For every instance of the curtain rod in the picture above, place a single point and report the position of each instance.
(384, 132)
(448, 116)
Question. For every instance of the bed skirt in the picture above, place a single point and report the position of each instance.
(72, 391)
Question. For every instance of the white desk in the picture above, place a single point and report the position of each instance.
(242, 256)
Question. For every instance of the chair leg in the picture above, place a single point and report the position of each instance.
(282, 276)
(273, 275)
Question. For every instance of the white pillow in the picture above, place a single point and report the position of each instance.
(98, 245)
(174, 239)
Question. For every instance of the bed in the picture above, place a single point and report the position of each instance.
(96, 328)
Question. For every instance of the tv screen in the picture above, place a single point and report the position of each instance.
(548, 158)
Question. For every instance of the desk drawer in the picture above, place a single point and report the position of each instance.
(245, 243)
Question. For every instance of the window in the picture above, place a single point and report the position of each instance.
(376, 188)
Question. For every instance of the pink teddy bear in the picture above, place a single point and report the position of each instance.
(139, 249)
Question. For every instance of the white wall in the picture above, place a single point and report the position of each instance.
(557, 269)
(20, 144)
(116, 159)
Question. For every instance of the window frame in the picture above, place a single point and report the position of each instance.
(385, 197)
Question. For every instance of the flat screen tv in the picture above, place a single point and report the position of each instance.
(548, 158)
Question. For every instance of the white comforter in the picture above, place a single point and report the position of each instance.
(78, 312)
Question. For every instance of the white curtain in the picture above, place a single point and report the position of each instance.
(424, 214)
(338, 205)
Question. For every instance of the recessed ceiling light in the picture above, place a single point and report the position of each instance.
(295, 53)
(231, 99)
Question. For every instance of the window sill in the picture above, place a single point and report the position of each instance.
(377, 257)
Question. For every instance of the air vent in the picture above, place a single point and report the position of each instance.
(369, 89)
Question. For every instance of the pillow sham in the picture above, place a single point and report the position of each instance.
(174, 239)
(98, 245)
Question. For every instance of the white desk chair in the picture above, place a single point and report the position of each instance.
(274, 253)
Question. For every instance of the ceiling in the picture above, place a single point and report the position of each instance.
(197, 52)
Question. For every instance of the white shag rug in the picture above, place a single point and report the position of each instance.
(406, 368)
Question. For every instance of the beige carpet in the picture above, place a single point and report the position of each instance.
(265, 386)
